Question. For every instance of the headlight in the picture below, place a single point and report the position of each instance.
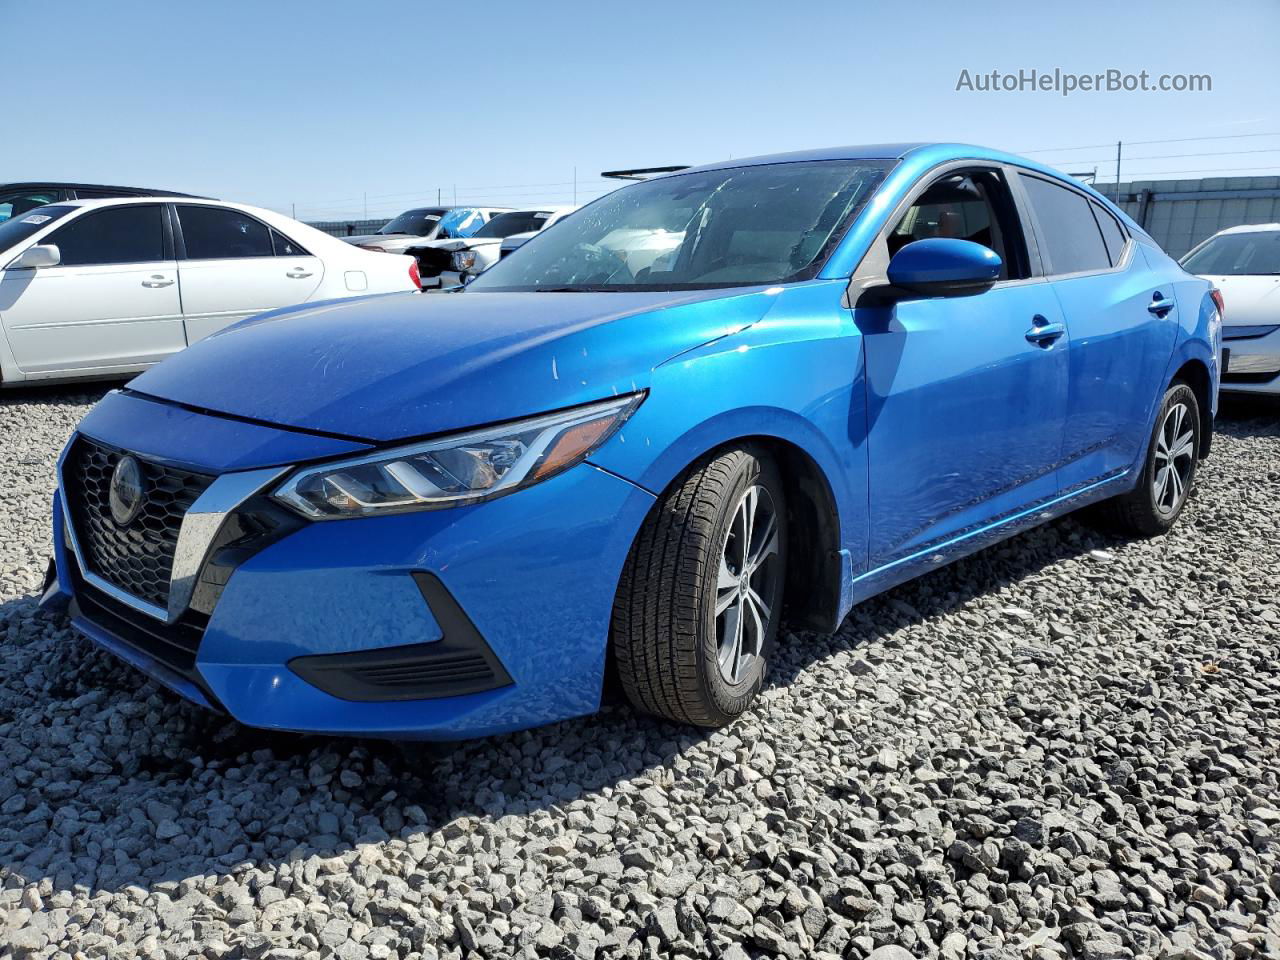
(463, 468)
(464, 260)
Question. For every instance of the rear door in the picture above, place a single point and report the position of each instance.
(233, 265)
(966, 395)
(1123, 325)
(112, 303)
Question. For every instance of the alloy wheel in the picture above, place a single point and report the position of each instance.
(746, 587)
(1174, 460)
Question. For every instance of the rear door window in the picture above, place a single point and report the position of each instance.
(216, 233)
(17, 203)
(285, 247)
(1070, 238)
(1112, 235)
(113, 235)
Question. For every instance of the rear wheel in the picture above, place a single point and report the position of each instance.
(700, 599)
(1153, 506)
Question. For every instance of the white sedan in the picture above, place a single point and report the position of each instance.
(106, 288)
(1244, 264)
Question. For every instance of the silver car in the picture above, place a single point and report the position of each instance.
(1244, 264)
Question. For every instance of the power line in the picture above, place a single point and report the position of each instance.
(1201, 170)
(1142, 143)
(1175, 156)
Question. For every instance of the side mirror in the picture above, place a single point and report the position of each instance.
(944, 267)
(33, 258)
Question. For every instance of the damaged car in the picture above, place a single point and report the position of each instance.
(447, 263)
(426, 223)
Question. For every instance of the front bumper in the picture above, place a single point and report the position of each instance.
(1254, 365)
(534, 573)
(446, 280)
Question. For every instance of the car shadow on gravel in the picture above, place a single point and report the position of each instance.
(321, 796)
(1242, 414)
(101, 759)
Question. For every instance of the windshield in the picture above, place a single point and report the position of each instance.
(418, 223)
(736, 227)
(1236, 254)
(505, 224)
(19, 228)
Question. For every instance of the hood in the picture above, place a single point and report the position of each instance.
(455, 243)
(1248, 300)
(516, 239)
(404, 365)
(388, 242)
(376, 237)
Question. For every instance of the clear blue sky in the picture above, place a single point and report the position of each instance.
(320, 103)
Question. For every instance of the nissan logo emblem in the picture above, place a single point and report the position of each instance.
(125, 493)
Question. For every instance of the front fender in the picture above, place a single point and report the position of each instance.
(796, 376)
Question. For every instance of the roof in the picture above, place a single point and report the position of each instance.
(1250, 228)
(67, 185)
(135, 198)
(875, 151)
(913, 160)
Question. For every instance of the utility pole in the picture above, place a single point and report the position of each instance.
(366, 204)
(575, 186)
(293, 210)
(455, 194)
(437, 196)
(1119, 147)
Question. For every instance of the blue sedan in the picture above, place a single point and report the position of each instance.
(708, 401)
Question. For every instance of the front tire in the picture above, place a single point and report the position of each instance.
(1173, 451)
(700, 598)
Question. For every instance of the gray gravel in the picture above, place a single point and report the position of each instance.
(1063, 747)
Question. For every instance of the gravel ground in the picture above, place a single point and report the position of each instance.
(1065, 746)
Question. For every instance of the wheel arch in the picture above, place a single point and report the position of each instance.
(817, 568)
(1195, 374)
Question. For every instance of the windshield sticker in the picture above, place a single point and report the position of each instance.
(541, 216)
(37, 219)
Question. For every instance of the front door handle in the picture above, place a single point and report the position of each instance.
(1043, 333)
(157, 280)
(1160, 305)
(298, 274)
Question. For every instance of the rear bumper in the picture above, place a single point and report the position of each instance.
(305, 629)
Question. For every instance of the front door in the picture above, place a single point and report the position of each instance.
(966, 395)
(111, 304)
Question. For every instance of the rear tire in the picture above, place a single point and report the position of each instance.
(1155, 504)
(700, 598)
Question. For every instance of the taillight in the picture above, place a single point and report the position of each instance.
(414, 275)
(1217, 299)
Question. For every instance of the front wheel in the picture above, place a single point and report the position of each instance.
(700, 598)
(1153, 506)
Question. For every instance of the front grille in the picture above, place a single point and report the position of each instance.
(433, 262)
(137, 558)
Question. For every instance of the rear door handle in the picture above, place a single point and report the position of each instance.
(298, 274)
(1159, 305)
(157, 280)
(1043, 333)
